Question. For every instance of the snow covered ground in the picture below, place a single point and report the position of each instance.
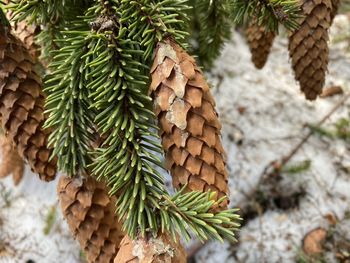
(264, 116)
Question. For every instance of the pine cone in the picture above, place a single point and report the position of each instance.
(260, 42)
(308, 47)
(159, 250)
(22, 105)
(25, 32)
(189, 124)
(11, 162)
(89, 212)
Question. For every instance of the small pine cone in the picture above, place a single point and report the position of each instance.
(260, 42)
(11, 162)
(308, 47)
(189, 125)
(22, 105)
(335, 7)
(89, 212)
(152, 250)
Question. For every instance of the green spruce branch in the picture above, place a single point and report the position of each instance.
(212, 27)
(67, 104)
(52, 16)
(270, 13)
(99, 83)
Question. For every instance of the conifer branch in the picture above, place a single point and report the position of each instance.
(98, 83)
(213, 28)
(67, 105)
(270, 13)
(53, 16)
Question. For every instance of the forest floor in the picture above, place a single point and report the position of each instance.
(299, 212)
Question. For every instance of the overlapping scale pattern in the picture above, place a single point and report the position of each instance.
(308, 47)
(22, 105)
(189, 124)
(260, 42)
(90, 214)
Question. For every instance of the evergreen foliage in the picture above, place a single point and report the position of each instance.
(211, 28)
(100, 53)
(270, 13)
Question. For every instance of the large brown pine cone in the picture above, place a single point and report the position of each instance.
(260, 42)
(189, 124)
(152, 250)
(22, 105)
(308, 47)
(11, 162)
(90, 214)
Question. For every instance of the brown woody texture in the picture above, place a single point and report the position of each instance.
(90, 214)
(308, 47)
(260, 42)
(11, 162)
(152, 250)
(189, 125)
(22, 105)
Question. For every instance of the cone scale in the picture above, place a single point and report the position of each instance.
(260, 42)
(189, 125)
(308, 47)
(11, 162)
(90, 214)
(22, 105)
(150, 250)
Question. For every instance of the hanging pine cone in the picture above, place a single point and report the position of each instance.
(308, 47)
(152, 250)
(89, 212)
(260, 42)
(11, 162)
(22, 105)
(189, 124)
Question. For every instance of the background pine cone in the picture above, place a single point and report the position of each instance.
(22, 105)
(308, 47)
(189, 124)
(159, 250)
(89, 212)
(25, 32)
(260, 42)
(11, 162)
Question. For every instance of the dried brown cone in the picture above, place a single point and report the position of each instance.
(22, 105)
(308, 47)
(90, 214)
(260, 42)
(189, 125)
(11, 162)
(153, 250)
